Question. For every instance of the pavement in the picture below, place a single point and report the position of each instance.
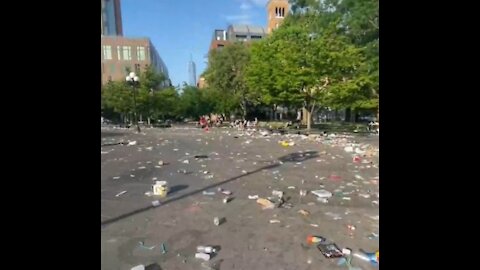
(246, 164)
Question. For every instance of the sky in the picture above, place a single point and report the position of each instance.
(180, 28)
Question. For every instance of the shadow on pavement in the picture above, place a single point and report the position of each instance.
(293, 157)
(177, 188)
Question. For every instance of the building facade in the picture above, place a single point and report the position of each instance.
(121, 55)
(192, 73)
(111, 18)
(276, 12)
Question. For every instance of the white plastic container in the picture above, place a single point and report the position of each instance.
(160, 188)
(203, 256)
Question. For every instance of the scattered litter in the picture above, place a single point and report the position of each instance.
(348, 149)
(351, 227)
(142, 168)
(321, 193)
(216, 221)
(346, 198)
(372, 257)
(206, 249)
(138, 267)
(314, 225)
(226, 192)
(116, 177)
(252, 197)
(375, 202)
(176, 149)
(203, 256)
(132, 142)
(366, 196)
(359, 177)
(274, 221)
(372, 236)
(277, 193)
(291, 187)
(132, 175)
(330, 250)
(335, 177)
(149, 148)
(160, 188)
(149, 193)
(186, 161)
(322, 200)
(201, 156)
(156, 203)
(313, 239)
(227, 199)
(208, 193)
(121, 193)
(266, 204)
(161, 163)
(164, 249)
(141, 244)
(304, 212)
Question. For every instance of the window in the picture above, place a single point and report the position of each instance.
(241, 37)
(119, 52)
(256, 37)
(140, 53)
(107, 52)
(127, 53)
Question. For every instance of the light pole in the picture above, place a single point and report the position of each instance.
(133, 80)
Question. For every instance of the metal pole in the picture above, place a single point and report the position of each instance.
(135, 107)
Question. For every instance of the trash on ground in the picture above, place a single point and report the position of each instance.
(156, 203)
(346, 251)
(252, 197)
(201, 156)
(121, 193)
(274, 221)
(138, 267)
(149, 193)
(206, 249)
(314, 225)
(291, 187)
(164, 249)
(335, 177)
(346, 198)
(208, 193)
(372, 236)
(142, 245)
(227, 199)
(161, 163)
(186, 161)
(314, 239)
(203, 256)
(277, 193)
(116, 177)
(351, 227)
(321, 193)
(330, 250)
(132, 142)
(372, 257)
(266, 204)
(226, 192)
(304, 212)
(160, 188)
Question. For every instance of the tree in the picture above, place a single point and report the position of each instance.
(226, 76)
(117, 97)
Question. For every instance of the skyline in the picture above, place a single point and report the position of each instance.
(177, 35)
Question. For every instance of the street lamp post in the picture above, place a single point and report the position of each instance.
(133, 80)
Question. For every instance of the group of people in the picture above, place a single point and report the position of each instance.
(214, 120)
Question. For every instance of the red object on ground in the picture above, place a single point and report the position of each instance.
(311, 239)
(356, 159)
(335, 177)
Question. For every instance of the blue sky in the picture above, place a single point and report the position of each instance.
(178, 28)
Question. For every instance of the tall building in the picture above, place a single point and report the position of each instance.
(192, 73)
(121, 55)
(276, 12)
(111, 18)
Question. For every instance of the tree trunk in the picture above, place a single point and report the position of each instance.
(148, 120)
(310, 115)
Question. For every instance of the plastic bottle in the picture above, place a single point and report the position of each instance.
(203, 256)
(206, 249)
